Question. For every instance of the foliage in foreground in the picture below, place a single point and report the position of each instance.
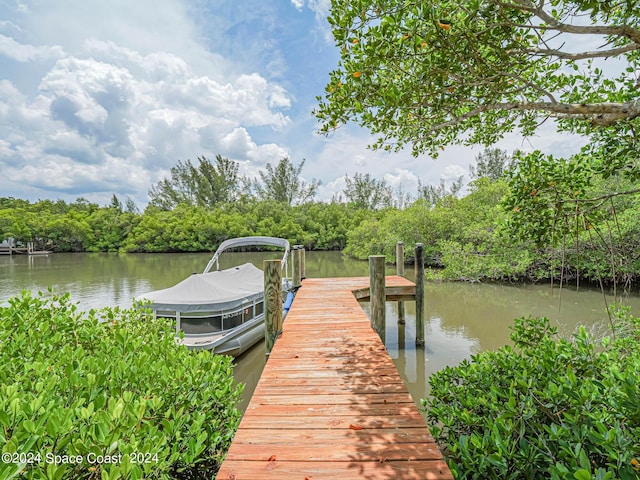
(112, 384)
(546, 408)
(433, 73)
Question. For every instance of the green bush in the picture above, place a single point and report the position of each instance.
(546, 408)
(111, 389)
(500, 262)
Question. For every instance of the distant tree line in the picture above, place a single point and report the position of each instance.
(83, 226)
(466, 237)
(203, 203)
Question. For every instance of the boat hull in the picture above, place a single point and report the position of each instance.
(235, 341)
(232, 342)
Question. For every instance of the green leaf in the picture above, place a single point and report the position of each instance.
(582, 474)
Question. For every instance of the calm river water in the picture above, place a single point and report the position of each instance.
(461, 319)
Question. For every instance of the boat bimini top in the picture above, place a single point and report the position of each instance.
(248, 241)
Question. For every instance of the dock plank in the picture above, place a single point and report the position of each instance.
(330, 402)
(324, 422)
(302, 436)
(278, 388)
(324, 470)
(292, 411)
(331, 452)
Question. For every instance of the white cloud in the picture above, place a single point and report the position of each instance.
(6, 25)
(345, 152)
(401, 178)
(360, 160)
(113, 110)
(547, 139)
(268, 152)
(236, 143)
(332, 189)
(110, 101)
(21, 7)
(8, 91)
(5, 148)
(453, 172)
(398, 179)
(298, 4)
(26, 53)
(239, 144)
(320, 8)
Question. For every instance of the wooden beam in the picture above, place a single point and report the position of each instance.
(272, 302)
(377, 294)
(392, 293)
(400, 273)
(419, 294)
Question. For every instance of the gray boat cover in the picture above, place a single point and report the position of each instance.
(213, 291)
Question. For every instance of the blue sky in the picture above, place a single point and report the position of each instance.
(98, 98)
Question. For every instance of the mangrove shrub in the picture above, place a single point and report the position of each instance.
(547, 407)
(107, 394)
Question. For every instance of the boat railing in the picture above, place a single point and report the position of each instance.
(249, 241)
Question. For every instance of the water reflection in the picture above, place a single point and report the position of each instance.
(463, 319)
(107, 279)
(460, 319)
(248, 369)
(96, 280)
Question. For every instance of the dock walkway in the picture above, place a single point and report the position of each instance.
(330, 403)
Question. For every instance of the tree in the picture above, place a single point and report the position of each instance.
(68, 233)
(492, 163)
(283, 183)
(130, 206)
(364, 191)
(468, 71)
(427, 74)
(116, 204)
(401, 198)
(180, 188)
(217, 183)
(434, 194)
(81, 205)
(206, 185)
(546, 407)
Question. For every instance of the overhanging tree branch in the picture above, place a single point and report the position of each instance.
(602, 113)
(551, 23)
(614, 52)
(492, 67)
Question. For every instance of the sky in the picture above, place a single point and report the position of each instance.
(103, 98)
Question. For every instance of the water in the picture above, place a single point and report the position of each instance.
(460, 319)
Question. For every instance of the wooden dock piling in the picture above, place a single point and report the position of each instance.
(377, 290)
(400, 273)
(297, 266)
(303, 273)
(400, 259)
(272, 302)
(419, 294)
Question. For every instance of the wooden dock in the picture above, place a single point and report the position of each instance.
(330, 403)
(9, 250)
